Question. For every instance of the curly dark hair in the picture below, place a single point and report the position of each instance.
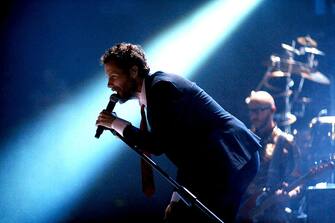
(126, 55)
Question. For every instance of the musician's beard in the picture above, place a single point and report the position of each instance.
(263, 126)
(129, 92)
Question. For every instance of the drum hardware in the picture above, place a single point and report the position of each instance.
(307, 41)
(287, 67)
(302, 50)
(316, 76)
(290, 49)
(326, 120)
(280, 69)
(311, 50)
(283, 94)
(288, 117)
(322, 128)
(300, 106)
(285, 119)
(283, 64)
(284, 79)
(322, 113)
(304, 100)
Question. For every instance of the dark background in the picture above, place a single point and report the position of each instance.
(49, 49)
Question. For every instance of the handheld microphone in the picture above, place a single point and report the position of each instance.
(114, 98)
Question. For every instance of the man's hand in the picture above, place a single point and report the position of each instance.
(168, 210)
(105, 119)
(294, 192)
(176, 212)
(289, 194)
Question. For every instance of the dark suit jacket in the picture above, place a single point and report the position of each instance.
(208, 145)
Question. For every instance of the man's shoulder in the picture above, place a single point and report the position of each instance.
(164, 85)
(162, 79)
(163, 76)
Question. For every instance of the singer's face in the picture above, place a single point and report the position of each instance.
(121, 81)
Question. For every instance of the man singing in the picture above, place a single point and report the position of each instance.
(216, 155)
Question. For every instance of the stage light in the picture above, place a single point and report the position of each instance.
(186, 46)
(50, 162)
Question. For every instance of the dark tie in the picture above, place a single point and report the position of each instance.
(148, 185)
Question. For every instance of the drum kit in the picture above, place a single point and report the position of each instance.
(278, 80)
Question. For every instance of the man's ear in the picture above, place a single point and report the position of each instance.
(133, 71)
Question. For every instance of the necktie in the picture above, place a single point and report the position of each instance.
(148, 185)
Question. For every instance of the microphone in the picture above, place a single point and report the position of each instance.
(114, 98)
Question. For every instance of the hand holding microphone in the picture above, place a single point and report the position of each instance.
(105, 118)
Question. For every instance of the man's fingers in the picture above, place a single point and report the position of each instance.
(104, 119)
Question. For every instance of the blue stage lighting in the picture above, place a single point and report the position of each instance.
(184, 47)
(49, 163)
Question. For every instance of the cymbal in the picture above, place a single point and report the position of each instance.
(285, 119)
(327, 119)
(286, 65)
(283, 94)
(290, 48)
(277, 73)
(307, 41)
(322, 120)
(312, 50)
(316, 76)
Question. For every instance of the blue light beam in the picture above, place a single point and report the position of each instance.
(185, 47)
(48, 164)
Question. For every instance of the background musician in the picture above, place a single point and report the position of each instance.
(278, 160)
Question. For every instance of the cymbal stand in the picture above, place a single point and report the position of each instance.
(289, 84)
(265, 77)
(312, 64)
(274, 64)
(296, 96)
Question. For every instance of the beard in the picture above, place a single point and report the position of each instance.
(261, 125)
(128, 92)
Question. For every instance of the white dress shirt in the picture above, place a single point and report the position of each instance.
(120, 124)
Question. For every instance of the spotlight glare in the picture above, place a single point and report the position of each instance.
(52, 161)
(184, 47)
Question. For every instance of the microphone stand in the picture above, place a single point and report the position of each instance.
(189, 198)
